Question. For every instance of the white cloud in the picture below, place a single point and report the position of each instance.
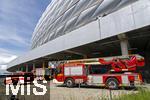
(5, 58)
(3, 67)
(13, 38)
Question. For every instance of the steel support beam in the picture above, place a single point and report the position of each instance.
(43, 68)
(33, 66)
(27, 67)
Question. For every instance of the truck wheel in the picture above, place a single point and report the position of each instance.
(69, 83)
(112, 83)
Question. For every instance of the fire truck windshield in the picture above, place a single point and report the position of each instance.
(58, 70)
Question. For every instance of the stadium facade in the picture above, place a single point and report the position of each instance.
(64, 16)
(72, 29)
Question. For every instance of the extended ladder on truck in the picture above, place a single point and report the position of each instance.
(118, 63)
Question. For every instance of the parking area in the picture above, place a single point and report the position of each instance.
(84, 93)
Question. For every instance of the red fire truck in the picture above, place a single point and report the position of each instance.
(111, 72)
(16, 77)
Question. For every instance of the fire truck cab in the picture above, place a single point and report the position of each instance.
(98, 73)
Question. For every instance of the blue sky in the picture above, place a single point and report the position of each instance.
(18, 19)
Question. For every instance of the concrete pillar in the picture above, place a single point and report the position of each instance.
(33, 66)
(33, 69)
(43, 68)
(124, 46)
(18, 69)
(27, 67)
(22, 68)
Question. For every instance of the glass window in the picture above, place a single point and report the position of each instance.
(98, 69)
(58, 70)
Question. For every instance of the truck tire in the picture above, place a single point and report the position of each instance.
(112, 83)
(69, 83)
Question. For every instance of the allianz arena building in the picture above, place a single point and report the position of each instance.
(75, 29)
(64, 16)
